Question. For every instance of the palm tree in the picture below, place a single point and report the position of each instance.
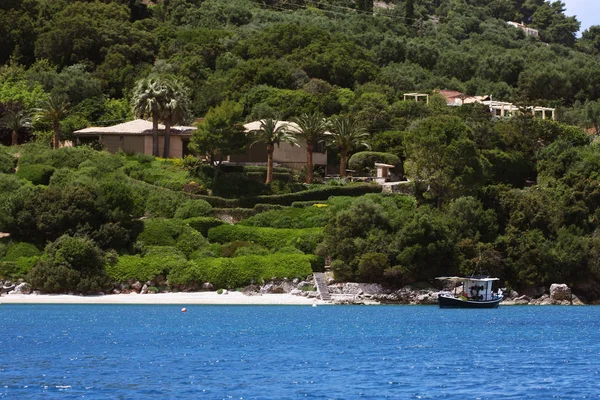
(53, 110)
(346, 135)
(311, 128)
(271, 134)
(15, 121)
(149, 100)
(176, 110)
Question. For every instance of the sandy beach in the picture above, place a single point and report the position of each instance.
(231, 298)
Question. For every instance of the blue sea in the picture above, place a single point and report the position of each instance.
(289, 352)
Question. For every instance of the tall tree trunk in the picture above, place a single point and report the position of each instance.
(343, 162)
(14, 138)
(155, 152)
(167, 146)
(270, 149)
(55, 138)
(309, 162)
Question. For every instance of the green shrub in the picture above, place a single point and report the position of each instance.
(158, 260)
(65, 157)
(7, 161)
(239, 248)
(38, 174)
(342, 271)
(371, 267)
(309, 217)
(261, 208)
(70, 264)
(171, 232)
(190, 240)
(160, 232)
(241, 271)
(203, 224)
(317, 194)
(193, 208)
(163, 204)
(238, 185)
(365, 160)
(16, 250)
(152, 289)
(272, 238)
(18, 268)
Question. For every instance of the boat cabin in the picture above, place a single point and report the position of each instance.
(477, 288)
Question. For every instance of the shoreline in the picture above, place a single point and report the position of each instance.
(190, 298)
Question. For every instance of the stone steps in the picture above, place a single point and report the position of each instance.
(322, 288)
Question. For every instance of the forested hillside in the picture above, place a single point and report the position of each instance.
(516, 197)
(289, 57)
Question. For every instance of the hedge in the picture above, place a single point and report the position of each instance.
(290, 217)
(38, 174)
(316, 194)
(170, 232)
(158, 261)
(18, 268)
(193, 208)
(17, 250)
(65, 157)
(240, 271)
(303, 239)
(203, 224)
(7, 161)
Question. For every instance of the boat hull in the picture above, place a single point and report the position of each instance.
(453, 302)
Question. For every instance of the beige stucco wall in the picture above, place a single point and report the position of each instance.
(147, 144)
(112, 143)
(288, 154)
(133, 143)
(176, 149)
(257, 153)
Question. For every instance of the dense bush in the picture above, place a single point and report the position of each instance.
(238, 185)
(7, 161)
(38, 174)
(365, 160)
(304, 239)
(309, 217)
(175, 233)
(203, 224)
(193, 208)
(321, 193)
(163, 203)
(17, 269)
(71, 264)
(16, 250)
(241, 271)
(65, 157)
(158, 260)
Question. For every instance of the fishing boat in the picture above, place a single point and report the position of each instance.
(475, 292)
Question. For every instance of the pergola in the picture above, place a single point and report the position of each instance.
(416, 96)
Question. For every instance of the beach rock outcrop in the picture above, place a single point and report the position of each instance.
(136, 286)
(277, 287)
(22, 288)
(408, 295)
(560, 292)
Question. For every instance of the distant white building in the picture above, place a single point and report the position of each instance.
(528, 31)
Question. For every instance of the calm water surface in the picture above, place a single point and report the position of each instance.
(286, 352)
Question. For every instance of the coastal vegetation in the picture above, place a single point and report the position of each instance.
(515, 197)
